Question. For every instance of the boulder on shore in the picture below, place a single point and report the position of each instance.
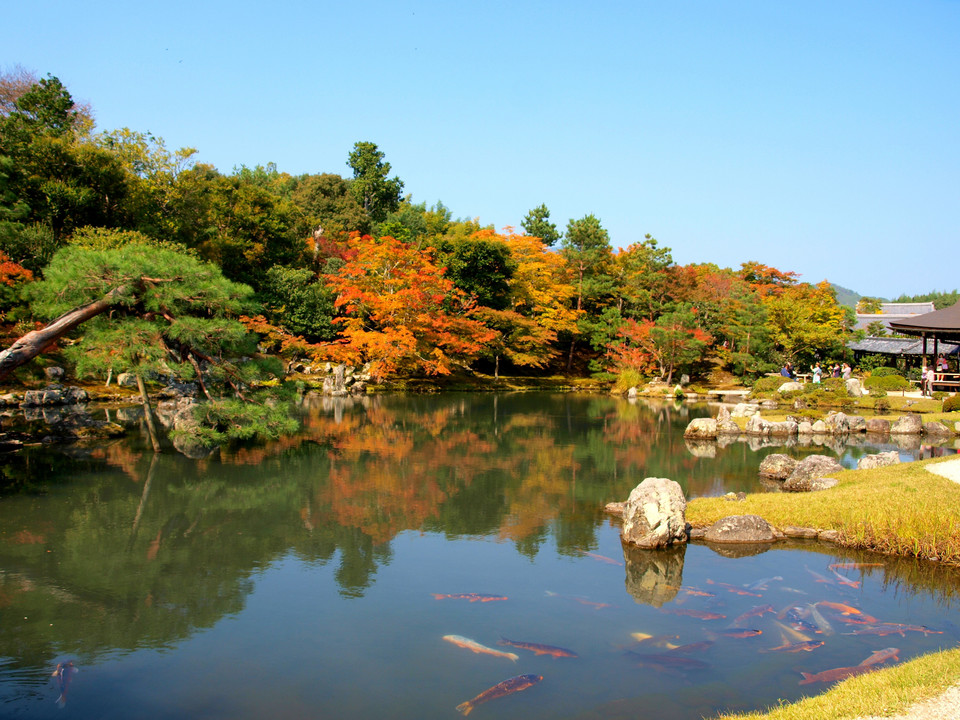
(740, 529)
(811, 474)
(655, 514)
(701, 429)
(778, 466)
(909, 424)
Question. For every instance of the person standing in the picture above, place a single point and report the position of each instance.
(817, 372)
(846, 372)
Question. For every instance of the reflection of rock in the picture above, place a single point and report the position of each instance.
(701, 448)
(740, 529)
(653, 577)
(878, 460)
(654, 516)
(738, 550)
(906, 441)
(778, 466)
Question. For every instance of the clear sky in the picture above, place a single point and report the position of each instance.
(821, 137)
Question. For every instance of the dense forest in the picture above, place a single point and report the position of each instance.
(146, 258)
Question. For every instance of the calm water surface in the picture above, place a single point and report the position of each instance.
(301, 579)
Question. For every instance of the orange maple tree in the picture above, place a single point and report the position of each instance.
(400, 312)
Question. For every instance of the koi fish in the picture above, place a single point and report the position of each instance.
(753, 612)
(666, 661)
(881, 656)
(761, 584)
(820, 621)
(882, 629)
(64, 673)
(603, 558)
(692, 647)
(656, 640)
(501, 689)
(842, 608)
(476, 647)
(844, 580)
(795, 634)
(737, 633)
(842, 673)
(695, 592)
(733, 588)
(472, 597)
(792, 647)
(538, 649)
(699, 614)
(818, 577)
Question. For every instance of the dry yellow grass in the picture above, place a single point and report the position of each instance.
(901, 509)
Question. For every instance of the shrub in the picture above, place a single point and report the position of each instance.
(886, 382)
(884, 371)
(881, 405)
(951, 403)
(769, 384)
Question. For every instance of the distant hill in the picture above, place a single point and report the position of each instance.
(846, 297)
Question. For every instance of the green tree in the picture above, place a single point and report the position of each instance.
(480, 265)
(299, 302)
(589, 256)
(537, 223)
(378, 194)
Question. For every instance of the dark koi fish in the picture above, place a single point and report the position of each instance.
(667, 661)
(792, 647)
(63, 674)
(501, 689)
(699, 614)
(881, 656)
(753, 612)
(538, 649)
(733, 588)
(882, 629)
(692, 647)
(738, 633)
(472, 597)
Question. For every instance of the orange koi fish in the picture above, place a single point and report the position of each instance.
(699, 614)
(472, 597)
(538, 649)
(501, 689)
(840, 607)
(476, 647)
(842, 673)
(582, 601)
(696, 593)
(882, 629)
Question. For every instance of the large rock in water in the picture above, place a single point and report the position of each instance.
(778, 466)
(909, 424)
(740, 529)
(701, 429)
(655, 514)
(809, 473)
(878, 460)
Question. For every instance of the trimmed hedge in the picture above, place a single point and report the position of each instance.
(886, 382)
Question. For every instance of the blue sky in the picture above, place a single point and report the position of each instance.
(819, 137)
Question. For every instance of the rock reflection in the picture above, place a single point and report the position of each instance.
(653, 577)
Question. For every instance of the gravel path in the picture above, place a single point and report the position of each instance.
(942, 707)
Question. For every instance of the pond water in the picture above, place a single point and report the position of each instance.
(345, 571)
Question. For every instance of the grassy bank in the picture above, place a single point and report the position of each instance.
(900, 509)
(883, 692)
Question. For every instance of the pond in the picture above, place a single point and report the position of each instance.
(402, 555)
